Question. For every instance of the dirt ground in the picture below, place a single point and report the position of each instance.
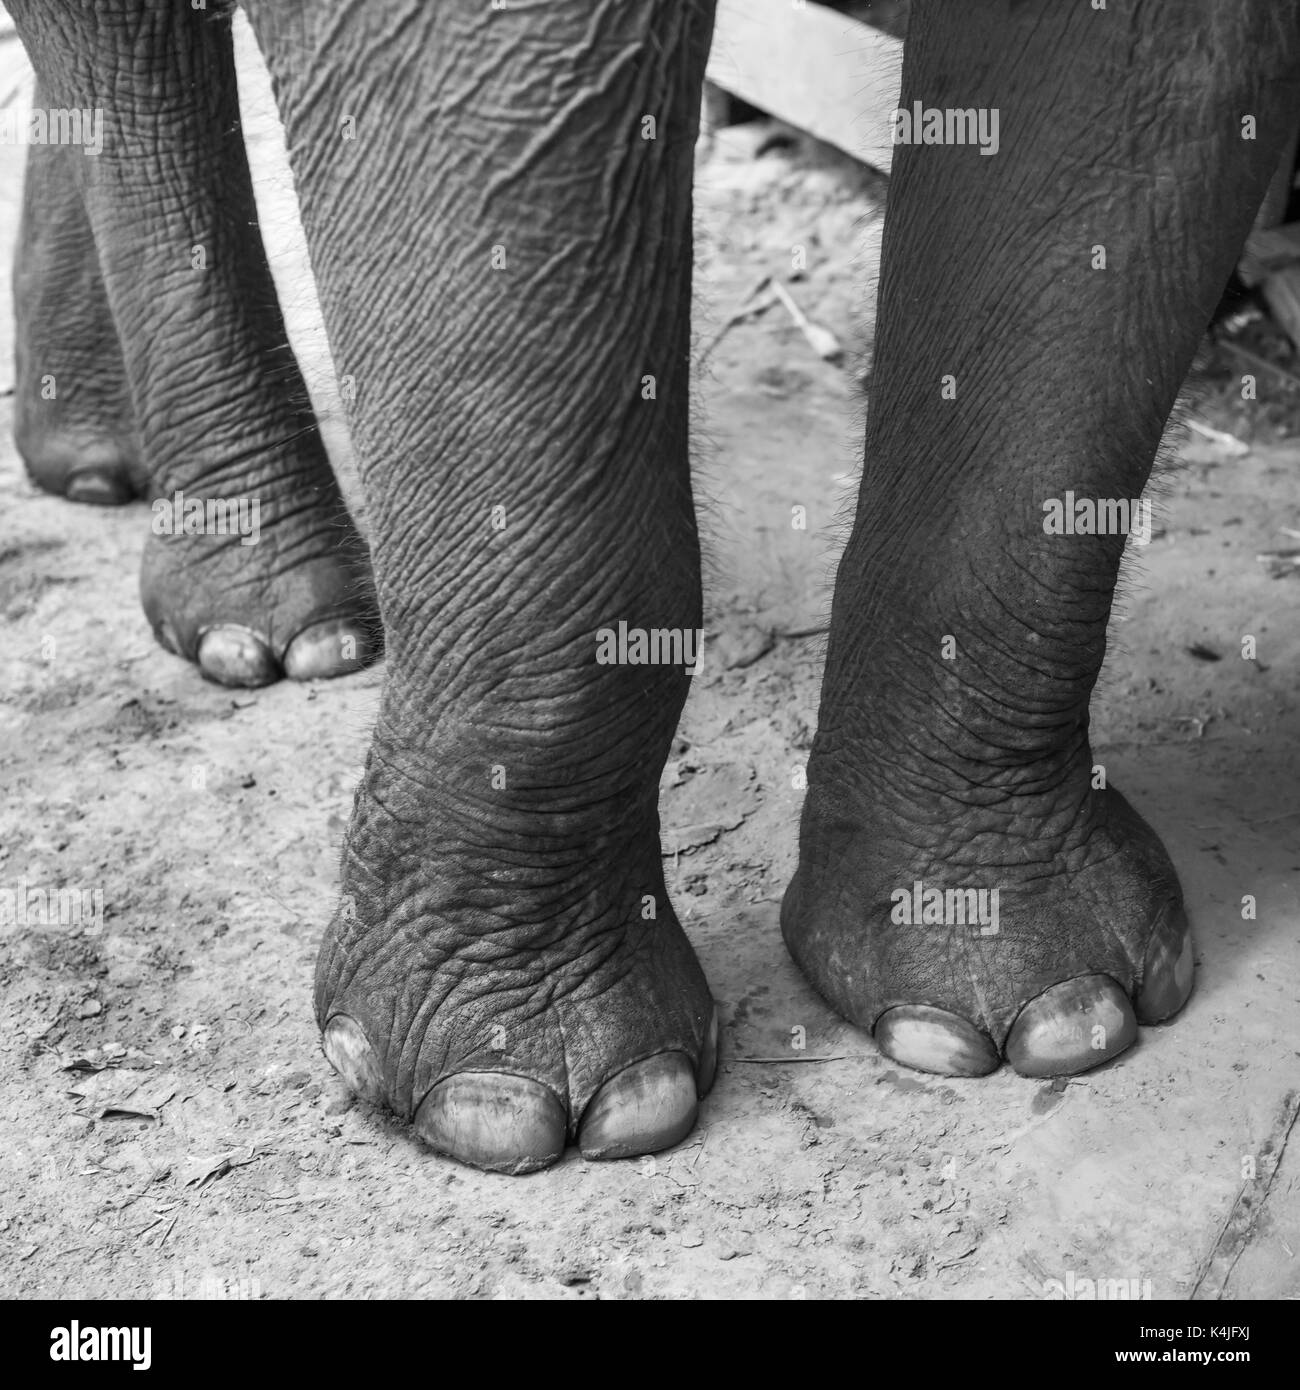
(169, 1127)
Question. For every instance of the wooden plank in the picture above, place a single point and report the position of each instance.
(1267, 250)
(1273, 209)
(823, 72)
(1281, 292)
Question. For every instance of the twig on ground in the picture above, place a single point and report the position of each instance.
(784, 1061)
(822, 341)
(1239, 1228)
(748, 308)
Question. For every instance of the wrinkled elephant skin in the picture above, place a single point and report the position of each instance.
(505, 968)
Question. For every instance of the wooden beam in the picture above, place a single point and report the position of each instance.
(1269, 249)
(823, 72)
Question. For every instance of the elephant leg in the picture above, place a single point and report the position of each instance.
(1039, 309)
(73, 422)
(263, 572)
(498, 208)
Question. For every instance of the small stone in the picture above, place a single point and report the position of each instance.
(691, 1237)
(742, 647)
(88, 1008)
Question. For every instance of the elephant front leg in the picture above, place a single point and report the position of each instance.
(968, 886)
(498, 207)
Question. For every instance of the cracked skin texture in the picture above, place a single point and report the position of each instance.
(491, 976)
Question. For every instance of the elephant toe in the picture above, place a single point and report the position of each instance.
(494, 1120)
(647, 1106)
(348, 1051)
(81, 465)
(1072, 1027)
(234, 655)
(935, 1040)
(100, 487)
(332, 648)
(708, 1067)
(1166, 971)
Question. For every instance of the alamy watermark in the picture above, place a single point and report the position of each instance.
(947, 125)
(945, 907)
(1098, 516)
(74, 1342)
(54, 125)
(210, 1285)
(35, 906)
(1074, 1288)
(179, 515)
(656, 646)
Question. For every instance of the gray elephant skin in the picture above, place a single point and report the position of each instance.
(505, 968)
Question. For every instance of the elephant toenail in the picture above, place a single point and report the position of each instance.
(1072, 1027)
(935, 1040)
(1167, 971)
(100, 487)
(232, 655)
(330, 648)
(648, 1106)
(493, 1120)
(350, 1054)
(166, 635)
(708, 1066)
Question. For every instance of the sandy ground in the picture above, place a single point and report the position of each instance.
(171, 1129)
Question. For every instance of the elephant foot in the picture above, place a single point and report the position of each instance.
(83, 465)
(508, 995)
(74, 424)
(265, 583)
(82, 444)
(1044, 940)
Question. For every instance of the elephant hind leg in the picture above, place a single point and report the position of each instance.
(155, 289)
(73, 421)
